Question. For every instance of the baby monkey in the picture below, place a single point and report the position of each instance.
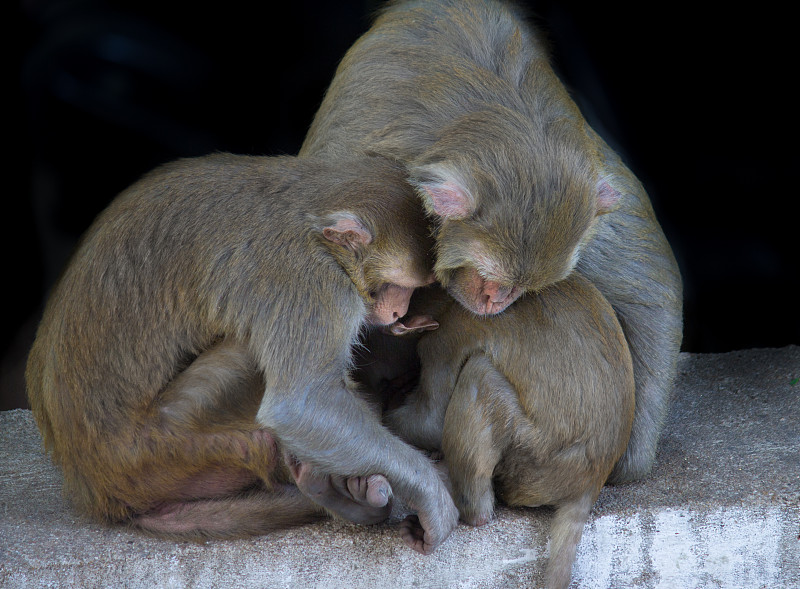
(535, 403)
(191, 369)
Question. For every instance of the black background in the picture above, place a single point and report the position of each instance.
(697, 101)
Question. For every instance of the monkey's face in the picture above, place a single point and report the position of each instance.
(514, 233)
(513, 199)
(399, 259)
(381, 239)
(486, 266)
(392, 271)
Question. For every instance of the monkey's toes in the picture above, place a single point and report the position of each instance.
(378, 491)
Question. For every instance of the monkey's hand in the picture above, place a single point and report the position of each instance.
(422, 535)
(426, 530)
(411, 325)
(342, 429)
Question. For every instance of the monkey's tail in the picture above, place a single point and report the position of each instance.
(565, 533)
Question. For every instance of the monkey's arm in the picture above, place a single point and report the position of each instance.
(420, 419)
(324, 424)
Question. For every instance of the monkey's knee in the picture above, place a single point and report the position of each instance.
(221, 385)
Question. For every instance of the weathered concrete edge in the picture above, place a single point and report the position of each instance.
(693, 523)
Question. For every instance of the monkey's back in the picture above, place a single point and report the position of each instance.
(564, 358)
(423, 65)
(186, 256)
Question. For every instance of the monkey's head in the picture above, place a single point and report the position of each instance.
(381, 240)
(513, 205)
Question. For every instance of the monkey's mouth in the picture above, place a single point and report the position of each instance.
(408, 325)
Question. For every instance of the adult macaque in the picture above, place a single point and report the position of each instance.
(194, 357)
(537, 401)
(520, 189)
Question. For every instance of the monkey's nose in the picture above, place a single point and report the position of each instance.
(496, 292)
(498, 296)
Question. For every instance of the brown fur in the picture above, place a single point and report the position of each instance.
(535, 404)
(520, 189)
(211, 309)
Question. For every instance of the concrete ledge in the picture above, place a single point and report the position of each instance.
(721, 509)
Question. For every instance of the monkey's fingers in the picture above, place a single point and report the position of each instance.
(413, 534)
(371, 491)
(411, 325)
(425, 531)
(357, 509)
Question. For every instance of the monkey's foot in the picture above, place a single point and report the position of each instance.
(477, 520)
(634, 465)
(363, 500)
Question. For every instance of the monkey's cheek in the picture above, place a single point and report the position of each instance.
(474, 303)
(375, 318)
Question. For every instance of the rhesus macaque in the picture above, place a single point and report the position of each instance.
(193, 360)
(536, 403)
(520, 189)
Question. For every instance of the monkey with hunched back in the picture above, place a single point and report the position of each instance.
(521, 192)
(534, 404)
(191, 372)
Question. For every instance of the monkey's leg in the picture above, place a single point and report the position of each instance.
(221, 386)
(420, 419)
(207, 414)
(477, 429)
(651, 318)
(224, 384)
(654, 358)
(249, 514)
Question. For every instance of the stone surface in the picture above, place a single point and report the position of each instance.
(720, 510)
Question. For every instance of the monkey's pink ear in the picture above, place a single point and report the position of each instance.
(347, 230)
(448, 200)
(608, 197)
(443, 192)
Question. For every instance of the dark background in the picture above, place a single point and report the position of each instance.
(697, 101)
